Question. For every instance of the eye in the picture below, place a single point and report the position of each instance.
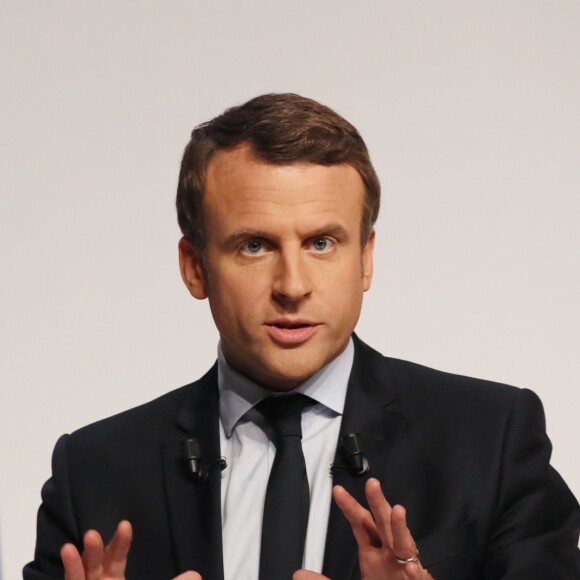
(253, 247)
(322, 244)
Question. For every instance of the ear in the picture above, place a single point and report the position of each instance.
(192, 269)
(367, 261)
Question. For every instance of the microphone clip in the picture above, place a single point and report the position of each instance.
(191, 451)
(353, 459)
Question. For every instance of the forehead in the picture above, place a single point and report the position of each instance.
(241, 187)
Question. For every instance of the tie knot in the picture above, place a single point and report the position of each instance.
(284, 413)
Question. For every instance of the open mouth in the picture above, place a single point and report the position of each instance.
(291, 326)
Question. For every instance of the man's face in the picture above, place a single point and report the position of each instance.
(283, 269)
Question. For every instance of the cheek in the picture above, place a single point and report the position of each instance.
(349, 291)
(351, 277)
(236, 297)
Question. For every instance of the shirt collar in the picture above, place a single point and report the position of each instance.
(238, 393)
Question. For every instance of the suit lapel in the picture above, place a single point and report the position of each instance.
(194, 507)
(370, 412)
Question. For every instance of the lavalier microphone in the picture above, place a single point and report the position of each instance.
(353, 459)
(191, 451)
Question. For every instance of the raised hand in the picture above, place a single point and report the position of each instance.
(383, 538)
(100, 562)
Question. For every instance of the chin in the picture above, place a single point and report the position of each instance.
(289, 376)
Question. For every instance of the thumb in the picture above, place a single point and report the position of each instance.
(308, 575)
(189, 575)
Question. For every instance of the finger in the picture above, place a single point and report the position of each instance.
(360, 519)
(412, 571)
(308, 575)
(93, 555)
(72, 562)
(381, 510)
(118, 550)
(188, 576)
(415, 571)
(403, 544)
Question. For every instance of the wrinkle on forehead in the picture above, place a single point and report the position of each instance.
(302, 216)
(268, 206)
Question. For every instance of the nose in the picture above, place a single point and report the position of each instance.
(292, 281)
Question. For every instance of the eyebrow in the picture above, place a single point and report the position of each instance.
(331, 229)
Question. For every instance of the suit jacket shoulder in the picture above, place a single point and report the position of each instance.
(129, 466)
(469, 459)
(149, 420)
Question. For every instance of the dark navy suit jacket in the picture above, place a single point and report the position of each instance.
(468, 459)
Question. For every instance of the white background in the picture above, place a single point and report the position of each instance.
(471, 113)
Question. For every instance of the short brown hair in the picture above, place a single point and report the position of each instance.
(281, 129)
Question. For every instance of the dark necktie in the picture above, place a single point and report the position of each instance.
(287, 495)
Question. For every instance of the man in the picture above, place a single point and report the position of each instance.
(277, 200)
